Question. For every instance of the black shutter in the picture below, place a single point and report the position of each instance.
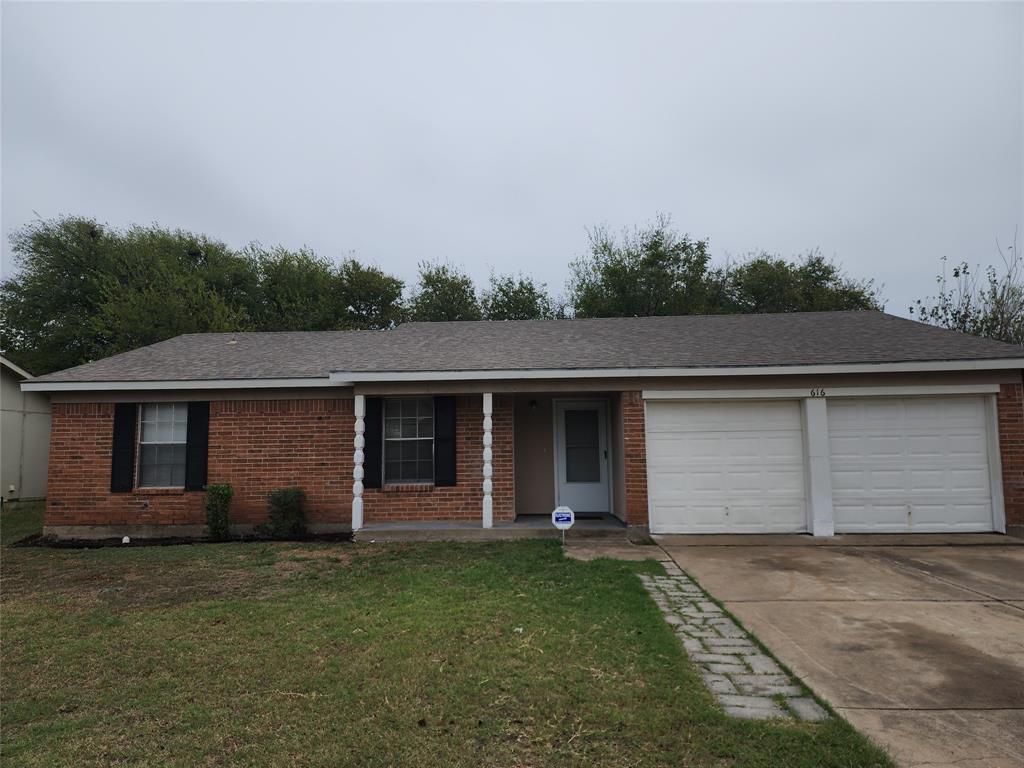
(444, 440)
(372, 475)
(122, 464)
(197, 436)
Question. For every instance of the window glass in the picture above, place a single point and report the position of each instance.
(409, 440)
(582, 446)
(163, 428)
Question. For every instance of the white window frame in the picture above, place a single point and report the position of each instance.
(139, 442)
(385, 440)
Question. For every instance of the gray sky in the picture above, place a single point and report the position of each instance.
(492, 135)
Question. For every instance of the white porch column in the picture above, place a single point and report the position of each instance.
(819, 469)
(488, 511)
(357, 463)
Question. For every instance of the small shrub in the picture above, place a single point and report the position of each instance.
(287, 514)
(218, 521)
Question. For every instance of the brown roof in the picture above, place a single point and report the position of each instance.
(697, 341)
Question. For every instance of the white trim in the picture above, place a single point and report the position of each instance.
(995, 465)
(361, 377)
(358, 457)
(16, 368)
(99, 386)
(488, 485)
(817, 467)
(790, 393)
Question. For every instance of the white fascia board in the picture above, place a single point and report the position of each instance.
(792, 394)
(16, 368)
(119, 386)
(362, 377)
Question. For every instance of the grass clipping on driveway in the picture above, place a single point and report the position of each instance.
(480, 654)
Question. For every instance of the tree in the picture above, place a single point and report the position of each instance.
(987, 302)
(515, 298)
(84, 290)
(370, 299)
(770, 283)
(296, 291)
(652, 271)
(443, 292)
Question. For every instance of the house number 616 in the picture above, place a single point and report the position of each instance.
(817, 392)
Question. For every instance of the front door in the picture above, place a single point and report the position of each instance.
(581, 455)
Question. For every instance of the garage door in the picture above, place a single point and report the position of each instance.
(910, 464)
(725, 467)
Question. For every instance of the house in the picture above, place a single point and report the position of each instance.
(814, 422)
(24, 436)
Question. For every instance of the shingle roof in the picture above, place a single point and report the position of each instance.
(698, 341)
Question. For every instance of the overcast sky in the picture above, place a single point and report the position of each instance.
(493, 135)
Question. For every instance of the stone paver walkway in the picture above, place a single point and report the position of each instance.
(745, 680)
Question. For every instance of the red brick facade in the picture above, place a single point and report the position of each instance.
(1011, 448)
(463, 501)
(634, 439)
(260, 445)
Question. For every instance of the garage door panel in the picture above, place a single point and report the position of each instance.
(910, 464)
(725, 467)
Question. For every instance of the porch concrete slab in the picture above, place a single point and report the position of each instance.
(920, 647)
(978, 739)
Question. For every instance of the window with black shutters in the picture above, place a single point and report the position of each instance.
(409, 440)
(163, 432)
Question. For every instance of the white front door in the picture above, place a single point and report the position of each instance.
(581, 455)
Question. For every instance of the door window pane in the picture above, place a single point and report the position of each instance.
(582, 446)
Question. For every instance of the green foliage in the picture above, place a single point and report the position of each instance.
(85, 291)
(443, 293)
(296, 291)
(515, 298)
(651, 271)
(286, 515)
(657, 271)
(767, 283)
(218, 503)
(369, 298)
(989, 304)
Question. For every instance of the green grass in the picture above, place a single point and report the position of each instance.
(483, 654)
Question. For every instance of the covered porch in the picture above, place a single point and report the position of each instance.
(492, 460)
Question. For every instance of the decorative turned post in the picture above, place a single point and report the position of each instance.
(488, 469)
(357, 463)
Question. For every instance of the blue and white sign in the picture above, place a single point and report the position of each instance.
(563, 518)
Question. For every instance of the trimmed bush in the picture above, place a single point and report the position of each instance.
(287, 514)
(218, 521)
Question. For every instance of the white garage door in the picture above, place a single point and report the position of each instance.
(725, 467)
(910, 464)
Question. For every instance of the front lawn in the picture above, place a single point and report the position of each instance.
(480, 654)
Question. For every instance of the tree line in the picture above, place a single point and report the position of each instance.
(84, 290)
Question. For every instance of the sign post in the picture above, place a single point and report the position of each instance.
(563, 518)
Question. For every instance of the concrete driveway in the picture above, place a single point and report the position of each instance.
(918, 645)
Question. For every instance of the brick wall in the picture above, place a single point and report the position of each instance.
(260, 445)
(635, 457)
(463, 501)
(78, 491)
(1010, 402)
